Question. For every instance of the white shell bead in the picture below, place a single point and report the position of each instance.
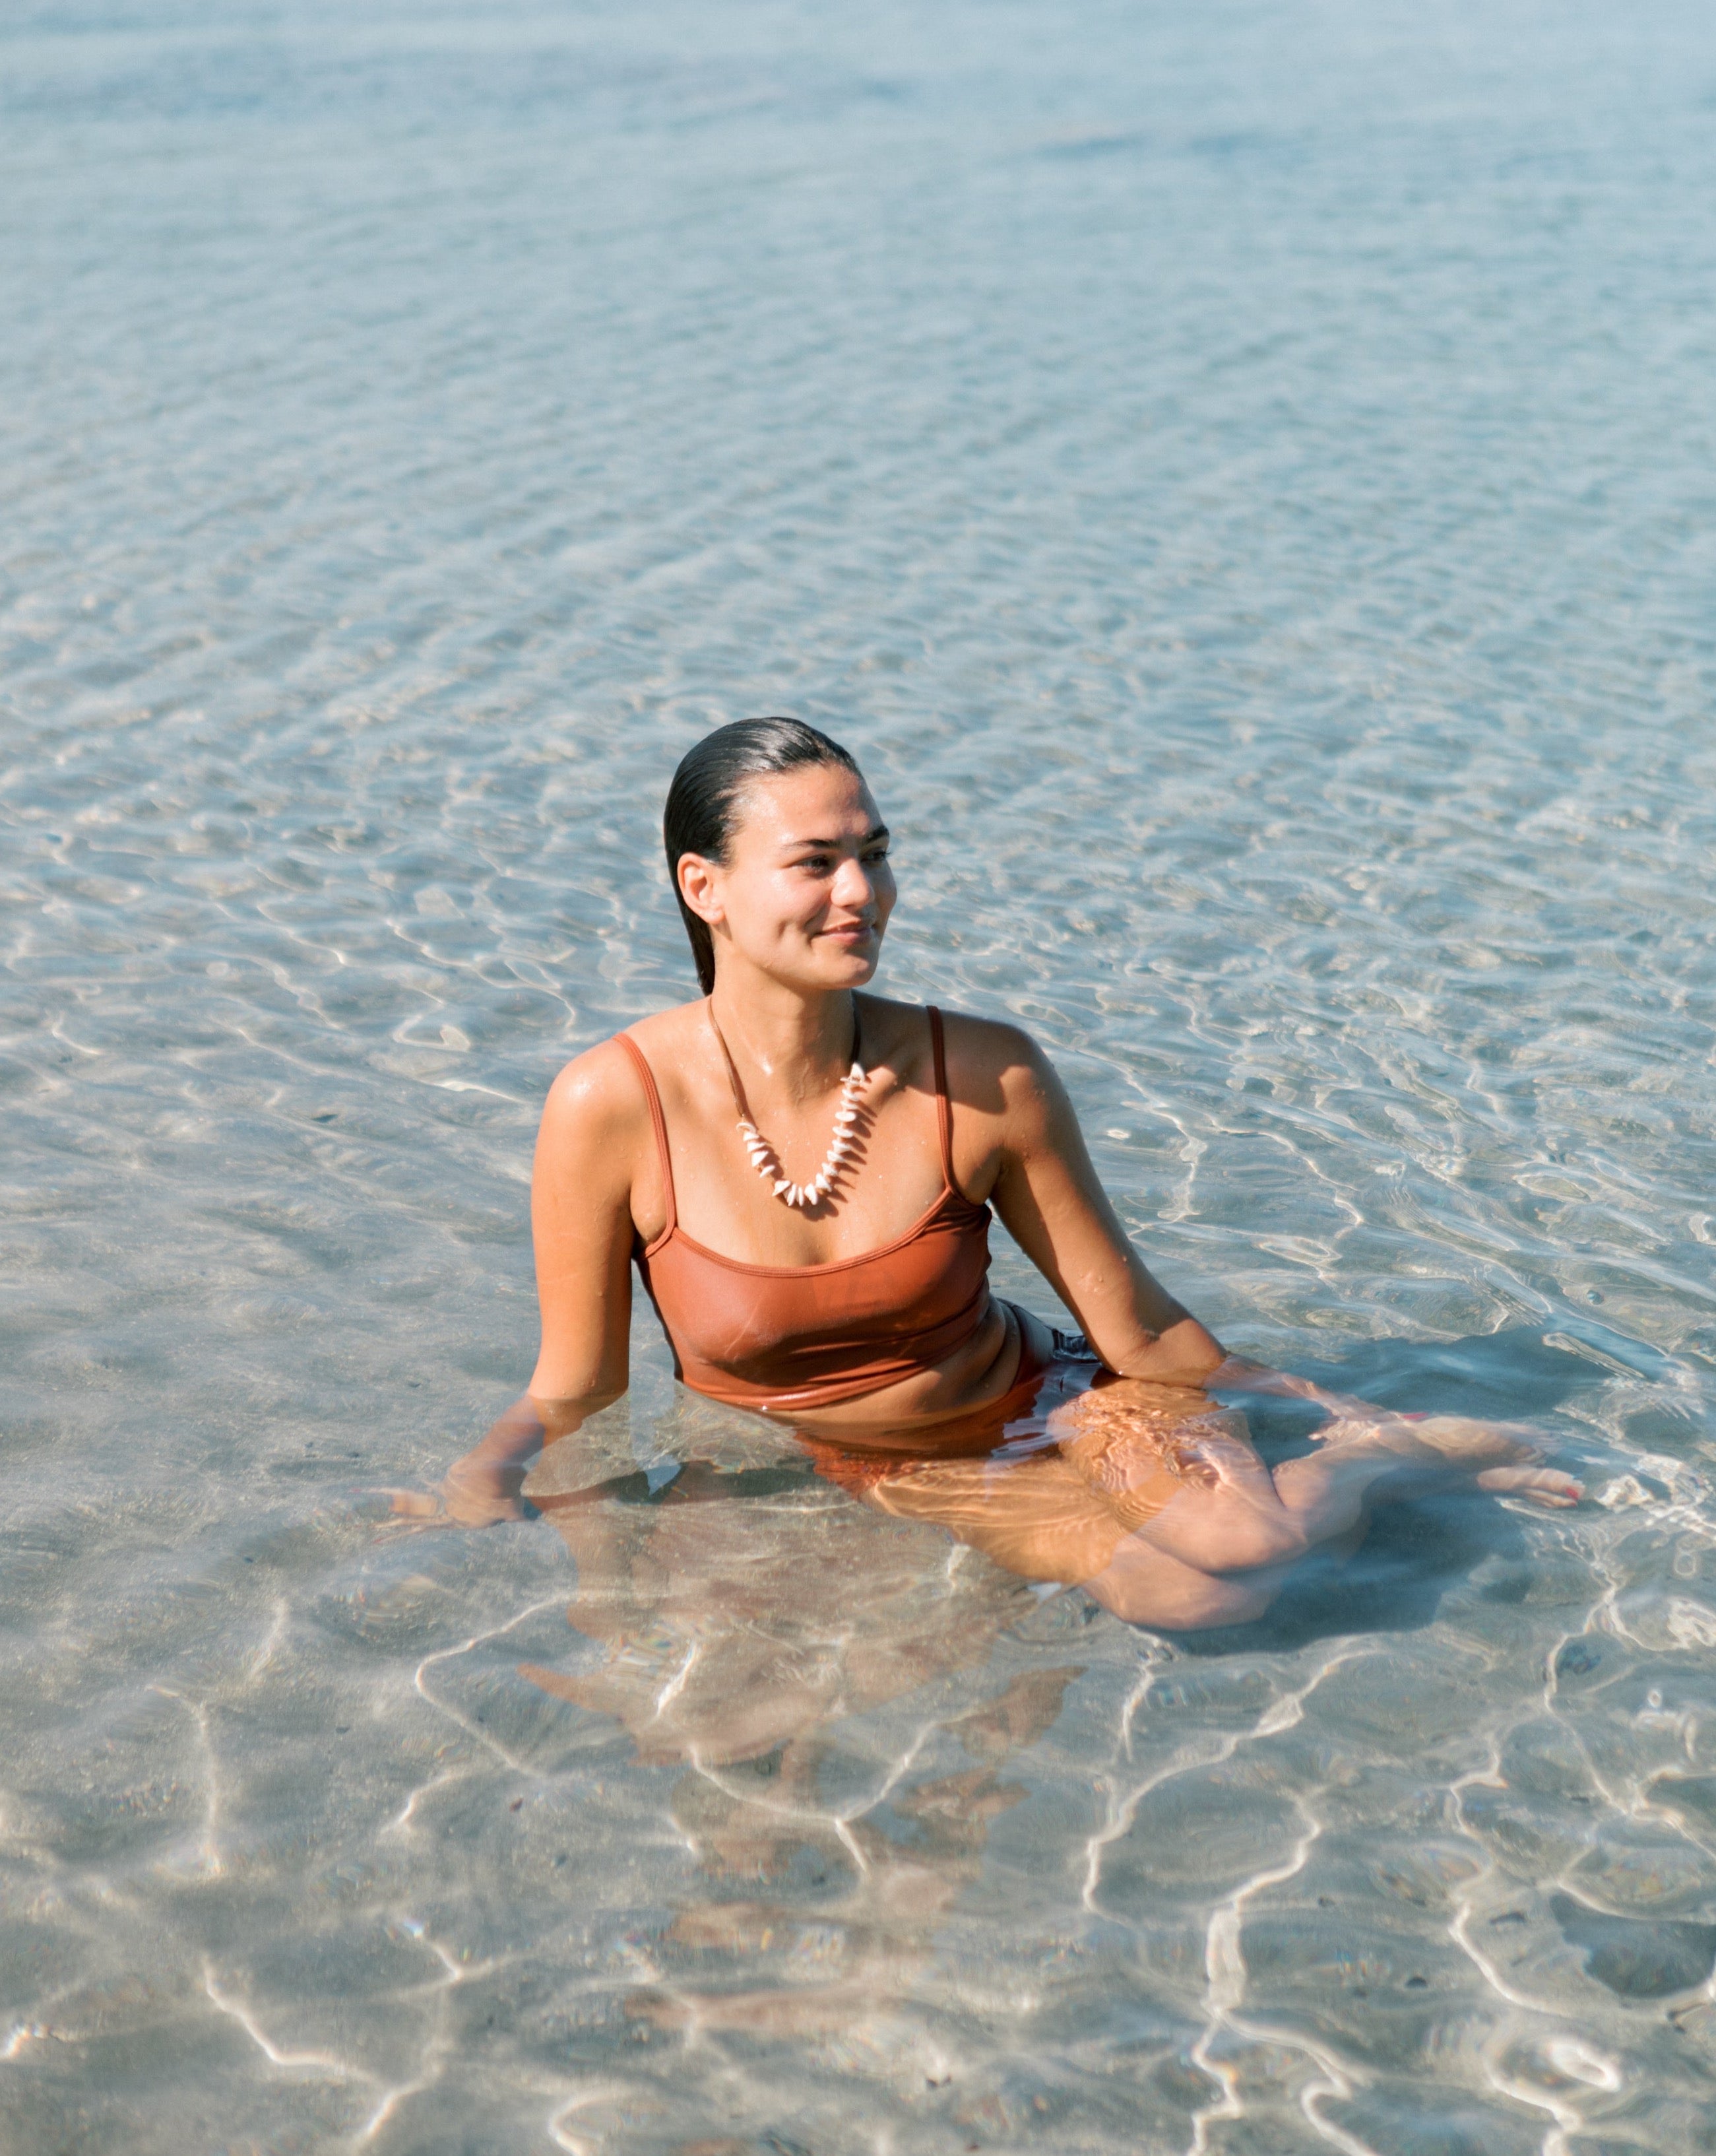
(762, 1157)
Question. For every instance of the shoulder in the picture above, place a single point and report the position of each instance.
(982, 1044)
(992, 1045)
(601, 1086)
(994, 1065)
(598, 1101)
(999, 1070)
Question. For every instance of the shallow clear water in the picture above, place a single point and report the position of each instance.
(1240, 477)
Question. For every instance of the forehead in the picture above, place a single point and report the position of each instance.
(818, 801)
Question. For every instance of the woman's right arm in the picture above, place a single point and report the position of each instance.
(595, 1125)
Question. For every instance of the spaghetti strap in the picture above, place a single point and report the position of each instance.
(944, 1107)
(660, 1122)
(787, 1339)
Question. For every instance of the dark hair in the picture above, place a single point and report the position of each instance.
(700, 817)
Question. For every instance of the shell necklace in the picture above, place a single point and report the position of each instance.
(763, 1157)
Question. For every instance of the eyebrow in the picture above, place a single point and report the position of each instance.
(877, 831)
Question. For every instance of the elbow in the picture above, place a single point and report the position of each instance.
(1202, 1347)
(1183, 1354)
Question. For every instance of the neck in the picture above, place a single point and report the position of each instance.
(798, 1045)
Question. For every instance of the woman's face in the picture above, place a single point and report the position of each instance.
(807, 889)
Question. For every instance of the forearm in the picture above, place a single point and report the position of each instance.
(1183, 1352)
(495, 1467)
(514, 1439)
(1239, 1373)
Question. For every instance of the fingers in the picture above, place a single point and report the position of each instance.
(477, 1508)
(413, 1504)
(456, 1505)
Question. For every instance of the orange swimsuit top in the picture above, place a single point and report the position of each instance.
(781, 1338)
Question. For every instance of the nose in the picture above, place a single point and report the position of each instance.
(852, 887)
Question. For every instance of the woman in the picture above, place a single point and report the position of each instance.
(804, 1176)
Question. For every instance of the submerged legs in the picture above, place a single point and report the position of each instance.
(1160, 1506)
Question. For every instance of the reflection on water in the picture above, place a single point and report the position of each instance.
(745, 1617)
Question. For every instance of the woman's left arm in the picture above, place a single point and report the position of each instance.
(1048, 1198)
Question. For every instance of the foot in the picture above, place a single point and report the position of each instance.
(1499, 1456)
(1540, 1485)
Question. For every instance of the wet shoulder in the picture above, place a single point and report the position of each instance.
(598, 1101)
(993, 1067)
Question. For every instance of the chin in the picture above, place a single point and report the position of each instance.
(858, 966)
(840, 969)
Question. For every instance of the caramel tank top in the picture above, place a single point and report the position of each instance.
(782, 1338)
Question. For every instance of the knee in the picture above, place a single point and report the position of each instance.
(1266, 1539)
(1232, 1538)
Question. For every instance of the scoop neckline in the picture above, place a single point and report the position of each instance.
(828, 1264)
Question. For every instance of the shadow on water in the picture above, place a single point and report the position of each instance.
(1415, 1549)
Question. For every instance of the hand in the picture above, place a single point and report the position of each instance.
(1504, 1457)
(474, 1493)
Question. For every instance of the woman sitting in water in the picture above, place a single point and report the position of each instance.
(804, 1176)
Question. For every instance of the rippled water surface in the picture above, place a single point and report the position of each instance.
(1240, 477)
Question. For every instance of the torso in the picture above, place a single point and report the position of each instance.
(727, 1261)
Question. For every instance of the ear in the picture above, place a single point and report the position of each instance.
(697, 887)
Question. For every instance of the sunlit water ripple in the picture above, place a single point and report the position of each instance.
(1241, 478)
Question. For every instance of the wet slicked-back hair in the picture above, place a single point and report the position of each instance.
(701, 801)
